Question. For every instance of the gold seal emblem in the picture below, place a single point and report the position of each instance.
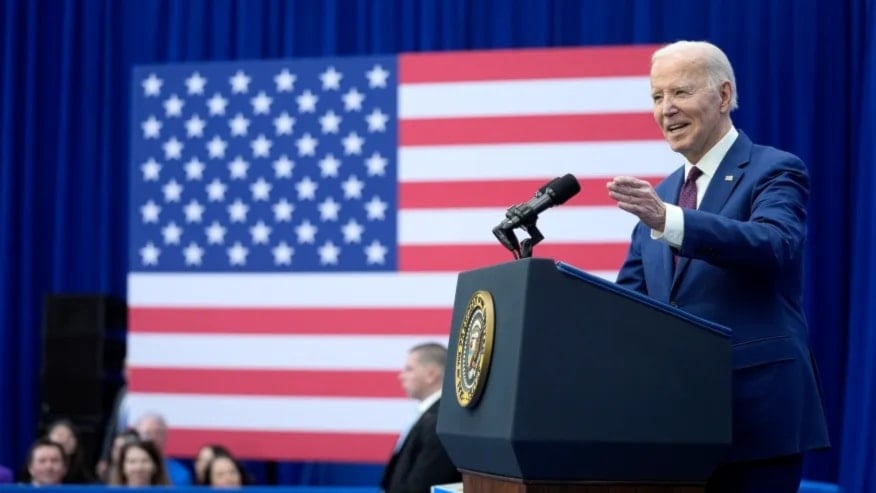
(474, 347)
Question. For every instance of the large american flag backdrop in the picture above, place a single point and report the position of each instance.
(297, 225)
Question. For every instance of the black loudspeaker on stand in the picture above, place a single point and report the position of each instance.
(83, 353)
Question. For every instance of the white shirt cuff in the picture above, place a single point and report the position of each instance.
(673, 230)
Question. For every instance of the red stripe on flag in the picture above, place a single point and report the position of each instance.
(522, 129)
(266, 382)
(280, 445)
(525, 64)
(427, 321)
(454, 258)
(443, 195)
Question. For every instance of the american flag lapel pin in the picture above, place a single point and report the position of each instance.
(728, 178)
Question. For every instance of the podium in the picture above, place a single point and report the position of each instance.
(559, 381)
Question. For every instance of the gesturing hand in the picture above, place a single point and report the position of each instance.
(638, 197)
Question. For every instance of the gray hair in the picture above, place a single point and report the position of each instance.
(717, 65)
(152, 416)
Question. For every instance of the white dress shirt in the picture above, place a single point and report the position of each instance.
(428, 401)
(673, 230)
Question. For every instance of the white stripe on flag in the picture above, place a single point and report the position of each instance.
(302, 290)
(249, 290)
(312, 414)
(468, 226)
(525, 97)
(521, 161)
(275, 352)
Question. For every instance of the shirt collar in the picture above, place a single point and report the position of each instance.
(428, 401)
(710, 161)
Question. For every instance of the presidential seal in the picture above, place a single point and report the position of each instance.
(474, 347)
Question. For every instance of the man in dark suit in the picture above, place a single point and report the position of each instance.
(419, 460)
(726, 244)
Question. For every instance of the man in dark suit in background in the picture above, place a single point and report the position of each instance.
(726, 244)
(419, 460)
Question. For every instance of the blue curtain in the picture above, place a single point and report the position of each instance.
(858, 452)
(806, 71)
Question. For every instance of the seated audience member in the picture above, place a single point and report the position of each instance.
(205, 455)
(224, 471)
(140, 464)
(120, 440)
(153, 427)
(46, 463)
(117, 424)
(63, 432)
(419, 460)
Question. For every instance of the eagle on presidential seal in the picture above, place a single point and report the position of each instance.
(474, 348)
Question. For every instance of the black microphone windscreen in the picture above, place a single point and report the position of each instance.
(564, 188)
(547, 185)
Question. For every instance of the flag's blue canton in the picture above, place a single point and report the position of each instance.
(264, 166)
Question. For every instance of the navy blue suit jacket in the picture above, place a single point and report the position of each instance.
(421, 462)
(741, 265)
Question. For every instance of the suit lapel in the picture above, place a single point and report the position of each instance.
(405, 437)
(721, 186)
(673, 185)
(727, 176)
(416, 424)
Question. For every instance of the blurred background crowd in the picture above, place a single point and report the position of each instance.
(130, 456)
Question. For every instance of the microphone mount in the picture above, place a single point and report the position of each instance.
(525, 215)
(521, 249)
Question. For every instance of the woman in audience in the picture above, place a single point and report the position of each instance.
(225, 472)
(130, 435)
(205, 455)
(140, 464)
(63, 432)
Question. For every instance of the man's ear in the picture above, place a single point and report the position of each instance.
(726, 94)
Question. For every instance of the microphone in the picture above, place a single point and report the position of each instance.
(555, 192)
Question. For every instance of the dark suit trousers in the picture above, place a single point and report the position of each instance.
(778, 475)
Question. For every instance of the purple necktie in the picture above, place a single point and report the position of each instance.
(688, 196)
